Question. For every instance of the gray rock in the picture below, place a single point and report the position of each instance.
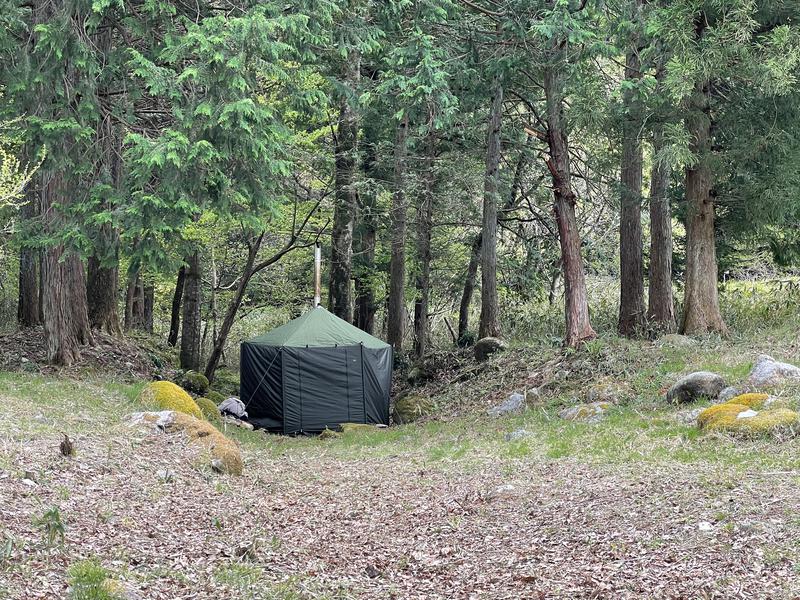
(515, 436)
(585, 413)
(688, 417)
(728, 393)
(701, 384)
(514, 403)
(768, 371)
(488, 346)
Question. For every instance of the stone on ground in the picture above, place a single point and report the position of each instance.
(701, 384)
(514, 403)
(585, 413)
(728, 393)
(487, 346)
(768, 371)
(517, 435)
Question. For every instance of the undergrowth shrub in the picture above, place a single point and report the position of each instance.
(88, 580)
(165, 395)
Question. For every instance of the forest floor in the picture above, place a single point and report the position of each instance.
(640, 505)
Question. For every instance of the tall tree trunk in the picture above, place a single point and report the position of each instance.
(135, 303)
(177, 298)
(660, 305)
(346, 201)
(395, 319)
(424, 228)
(103, 273)
(469, 286)
(490, 318)
(66, 318)
(233, 308)
(191, 330)
(701, 312)
(578, 326)
(631, 297)
(477, 243)
(365, 305)
(103, 282)
(28, 304)
(148, 303)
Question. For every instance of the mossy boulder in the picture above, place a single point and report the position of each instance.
(701, 384)
(418, 374)
(408, 409)
(208, 408)
(738, 416)
(487, 346)
(168, 396)
(329, 434)
(195, 382)
(215, 397)
(224, 453)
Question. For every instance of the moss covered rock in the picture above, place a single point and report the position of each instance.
(195, 382)
(701, 384)
(585, 413)
(208, 408)
(168, 396)
(741, 418)
(410, 408)
(487, 346)
(224, 453)
(215, 397)
(329, 434)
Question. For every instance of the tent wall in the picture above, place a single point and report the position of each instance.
(261, 385)
(377, 364)
(323, 387)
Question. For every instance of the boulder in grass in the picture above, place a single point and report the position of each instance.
(585, 413)
(701, 384)
(728, 393)
(487, 346)
(768, 371)
(408, 409)
(514, 403)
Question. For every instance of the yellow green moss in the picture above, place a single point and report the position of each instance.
(754, 401)
(208, 408)
(719, 413)
(168, 396)
(205, 435)
(767, 421)
(215, 397)
(357, 427)
(329, 434)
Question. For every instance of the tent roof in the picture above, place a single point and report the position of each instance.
(317, 328)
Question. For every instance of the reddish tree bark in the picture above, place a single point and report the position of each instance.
(578, 326)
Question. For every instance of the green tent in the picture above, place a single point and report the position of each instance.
(313, 373)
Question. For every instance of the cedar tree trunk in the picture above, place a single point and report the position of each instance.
(191, 330)
(395, 319)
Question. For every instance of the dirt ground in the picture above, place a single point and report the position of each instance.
(318, 524)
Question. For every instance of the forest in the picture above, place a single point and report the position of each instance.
(607, 190)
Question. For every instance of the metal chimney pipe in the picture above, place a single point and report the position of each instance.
(317, 274)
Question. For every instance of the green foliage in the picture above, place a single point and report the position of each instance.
(89, 580)
(51, 525)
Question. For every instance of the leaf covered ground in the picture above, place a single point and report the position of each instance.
(638, 506)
